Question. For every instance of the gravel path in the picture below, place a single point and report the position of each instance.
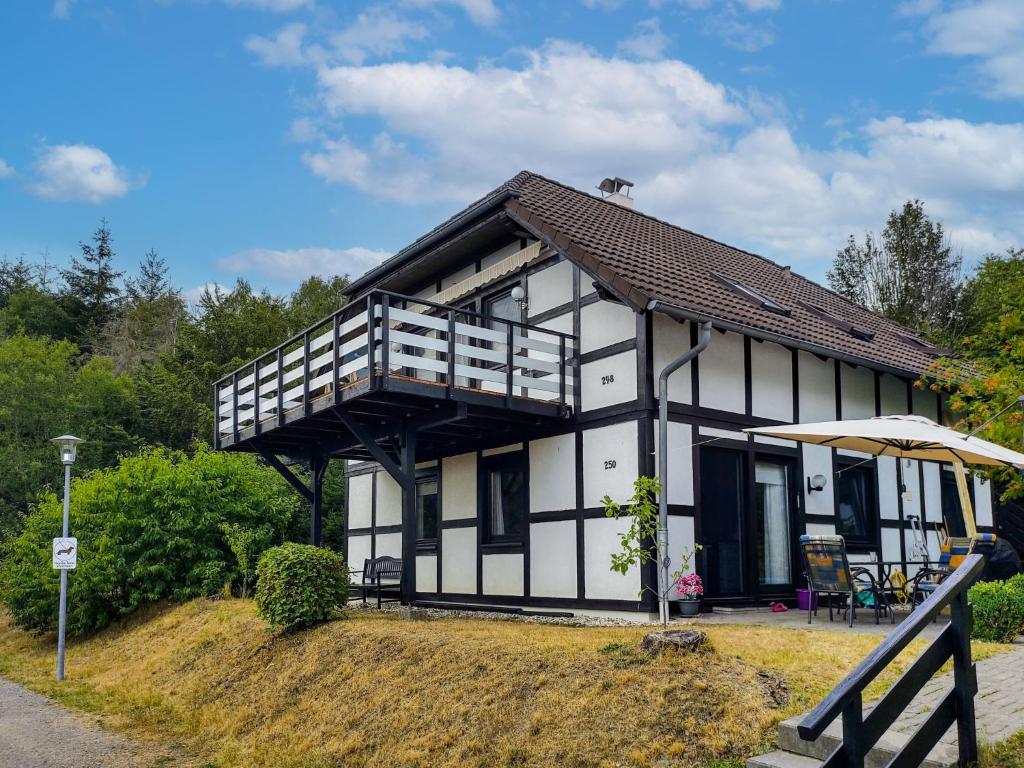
(36, 733)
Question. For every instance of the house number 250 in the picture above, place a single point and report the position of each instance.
(609, 379)
(609, 464)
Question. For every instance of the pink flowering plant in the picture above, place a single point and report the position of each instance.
(690, 586)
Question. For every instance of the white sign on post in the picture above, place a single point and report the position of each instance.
(65, 553)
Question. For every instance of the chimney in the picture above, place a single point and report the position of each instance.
(616, 191)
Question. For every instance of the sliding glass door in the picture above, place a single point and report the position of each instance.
(772, 516)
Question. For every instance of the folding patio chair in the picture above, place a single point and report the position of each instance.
(829, 573)
(952, 553)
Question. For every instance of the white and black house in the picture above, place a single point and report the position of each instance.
(491, 383)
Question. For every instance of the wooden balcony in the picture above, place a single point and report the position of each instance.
(395, 358)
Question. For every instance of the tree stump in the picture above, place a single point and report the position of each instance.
(687, 640)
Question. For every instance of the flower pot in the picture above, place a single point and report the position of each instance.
(689, 606)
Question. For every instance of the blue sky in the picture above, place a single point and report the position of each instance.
(278, 138)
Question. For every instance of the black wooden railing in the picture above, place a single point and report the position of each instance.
(861, 733)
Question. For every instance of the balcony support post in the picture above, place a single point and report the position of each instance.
(408, 454)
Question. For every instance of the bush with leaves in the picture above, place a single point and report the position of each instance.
(149, 529)
(299, 585)
(998, 609)
(248, 544)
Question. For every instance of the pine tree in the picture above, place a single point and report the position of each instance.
(91, 283)
(911, 274)
(153, 282)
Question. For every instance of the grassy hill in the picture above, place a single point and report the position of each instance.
(378, 690)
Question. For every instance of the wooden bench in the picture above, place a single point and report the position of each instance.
(382, 577)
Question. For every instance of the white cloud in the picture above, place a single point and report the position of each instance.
(701, 156)
(989, 31)
(298, 263)
(482, 12)
(649, 42)
(62, 9)
(193, 295)
(283, 49)
(376, 32)
(6, 171)
(566, 107)
(274, 6)
(79, 172)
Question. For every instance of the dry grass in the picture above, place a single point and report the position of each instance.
(376, 690)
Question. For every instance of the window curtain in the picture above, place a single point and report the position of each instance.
(775, 521)
(497, 508)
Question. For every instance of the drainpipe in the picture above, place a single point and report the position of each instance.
(662, 536)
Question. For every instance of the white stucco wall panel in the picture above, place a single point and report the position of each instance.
(503, 574)
(609, 463)
(893, 393)
(604, 323)
(389, 544)
(672, 339)
(553, 473)
(358, 553)
(817, 388)
(932, 491)
(982, 501)
(389, 500)
(458, 560)
(608, 381)
(771, 378)
(818, 461)
(360, 501)
(553, 559)
(426, 573)
(858, 391)
(680, 535)
(551, 287)
(720, 372)
(458, 487)
(600, 540)
(888, 496)
(680, 463)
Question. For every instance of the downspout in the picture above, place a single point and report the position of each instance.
(662, 535)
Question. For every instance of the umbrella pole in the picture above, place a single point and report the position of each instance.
(965, 498)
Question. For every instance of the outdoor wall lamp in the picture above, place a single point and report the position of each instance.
(816, 483)
(519, 297)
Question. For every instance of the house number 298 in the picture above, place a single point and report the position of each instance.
(609, 464)
(609, 379)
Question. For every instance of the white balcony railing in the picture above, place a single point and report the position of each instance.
(395, 338)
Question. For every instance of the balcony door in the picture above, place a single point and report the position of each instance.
(747, 523)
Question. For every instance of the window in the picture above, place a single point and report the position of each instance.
(749, 293)
(854, 330)
(505, 498)
(426, 507)
(856, 504)
(771, 505)
(502, 307)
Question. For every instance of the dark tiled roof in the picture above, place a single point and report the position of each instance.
(643, 259)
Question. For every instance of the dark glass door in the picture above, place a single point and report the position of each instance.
(722, 491)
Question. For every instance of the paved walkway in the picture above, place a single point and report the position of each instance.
(999, 714)
(37, 733)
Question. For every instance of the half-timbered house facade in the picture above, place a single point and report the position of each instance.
(493, 382)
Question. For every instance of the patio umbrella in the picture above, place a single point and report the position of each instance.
(907, 437)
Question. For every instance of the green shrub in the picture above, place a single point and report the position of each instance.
(298, 585)
(149, 529)
(998, 609)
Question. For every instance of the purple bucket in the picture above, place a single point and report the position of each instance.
(806, 599)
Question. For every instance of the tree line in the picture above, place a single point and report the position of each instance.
(124, 361)
(912, 273)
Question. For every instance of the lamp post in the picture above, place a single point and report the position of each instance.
(68, 450)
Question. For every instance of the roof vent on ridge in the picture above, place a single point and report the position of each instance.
(616, 191)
